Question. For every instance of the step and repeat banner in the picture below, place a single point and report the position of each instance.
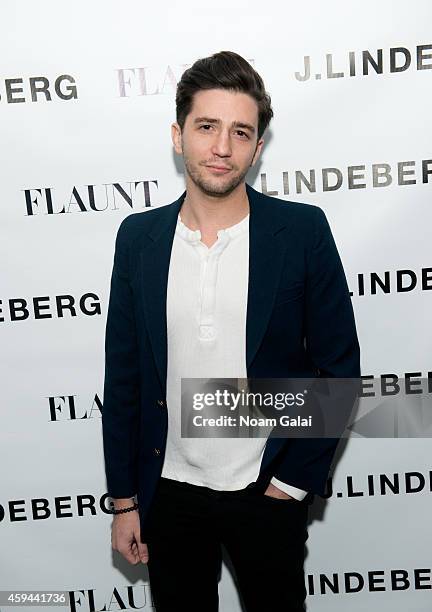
(87, 97)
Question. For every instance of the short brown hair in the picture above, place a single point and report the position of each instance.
(223, 70)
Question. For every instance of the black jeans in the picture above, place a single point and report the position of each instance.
(263, 536)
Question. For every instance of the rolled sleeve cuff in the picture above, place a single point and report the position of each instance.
(298, 494)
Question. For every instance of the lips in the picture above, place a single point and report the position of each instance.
(219, 168)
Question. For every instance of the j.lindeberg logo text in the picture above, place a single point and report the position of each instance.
(364, 63)
(359, 176)
(47, 307)
(35, 89)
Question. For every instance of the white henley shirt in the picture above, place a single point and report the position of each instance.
(206, 331)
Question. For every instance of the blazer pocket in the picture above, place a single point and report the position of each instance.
(288, 294)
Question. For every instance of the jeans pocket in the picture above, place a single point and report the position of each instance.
(286, 500)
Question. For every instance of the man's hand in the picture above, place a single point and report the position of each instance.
(273, 491)
(125, 537)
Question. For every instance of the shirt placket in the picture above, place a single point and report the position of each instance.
(207, 328)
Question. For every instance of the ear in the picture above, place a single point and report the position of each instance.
(257, 153)
(176, 136)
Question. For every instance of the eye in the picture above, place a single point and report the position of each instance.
(242, 134)
(205, 126)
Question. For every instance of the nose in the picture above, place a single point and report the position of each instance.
(222, 144)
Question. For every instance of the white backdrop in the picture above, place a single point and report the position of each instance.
(69, 160)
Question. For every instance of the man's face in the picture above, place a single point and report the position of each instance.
(219, 140)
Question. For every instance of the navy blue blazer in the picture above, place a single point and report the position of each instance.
(300, 323)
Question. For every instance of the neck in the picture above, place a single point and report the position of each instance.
(212, 213)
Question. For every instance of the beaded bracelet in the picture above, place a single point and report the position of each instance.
(122, 510)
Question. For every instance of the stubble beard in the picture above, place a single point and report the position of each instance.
(217, 187)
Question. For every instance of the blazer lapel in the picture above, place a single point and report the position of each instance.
(266, 255)
(155, 259)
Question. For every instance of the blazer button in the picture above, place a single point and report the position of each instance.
(156, 451)
(161, 403)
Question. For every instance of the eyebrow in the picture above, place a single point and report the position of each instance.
(237, 124)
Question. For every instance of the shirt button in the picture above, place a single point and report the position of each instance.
(156, 451)
(206, 332)
(161, 403)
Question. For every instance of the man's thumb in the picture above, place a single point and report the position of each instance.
(143, 552)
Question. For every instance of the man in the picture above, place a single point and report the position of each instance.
(224, 282)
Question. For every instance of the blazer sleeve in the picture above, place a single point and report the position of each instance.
(121, 396)
(332, 346)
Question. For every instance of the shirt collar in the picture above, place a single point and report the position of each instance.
(194, 236)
